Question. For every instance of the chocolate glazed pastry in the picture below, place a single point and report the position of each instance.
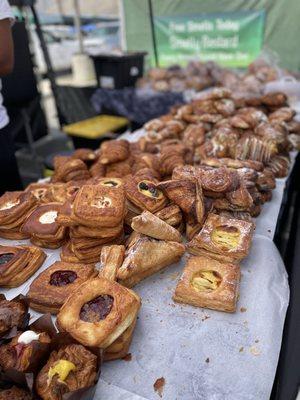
(68, 369)
(51, 288)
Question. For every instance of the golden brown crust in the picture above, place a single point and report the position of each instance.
(146, 256)
(114, 151)
(223, 237)
(99, 206)
(144, 194)
(208, 283)
(104, 332)
(26, 260)
(50, 289)
(83, 374)
(120, 347)
(150, 225)
(111, 259)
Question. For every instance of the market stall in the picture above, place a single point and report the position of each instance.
(188, 189)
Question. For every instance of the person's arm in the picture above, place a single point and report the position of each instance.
(6, 47)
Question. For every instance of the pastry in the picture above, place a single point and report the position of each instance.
(86, 155)
(110, 260)
(70, 170)
(209, 283)
(171, 214)
(99, 206)
(144, 195)
(119, 169)
(119, 348)
(43, 228)
(13, 313)
(223, 239)
(187, 194)
(13, 205)
(97, 169)
(219, 180)
(100, 233)
(67, 254)
(149, 224)
(99, 312)
(114, 151)
(24, 351)
(14, 210)
(15, 393)
(50, 289)
(145, 256)
(240, 197)
(70, 368)
(19, 263)
(39, 190)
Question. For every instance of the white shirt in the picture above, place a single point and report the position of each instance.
(5, 12)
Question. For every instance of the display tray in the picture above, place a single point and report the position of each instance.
(186, 353)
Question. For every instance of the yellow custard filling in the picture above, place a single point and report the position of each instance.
(206, 281)
(226, 237)
(62, 368)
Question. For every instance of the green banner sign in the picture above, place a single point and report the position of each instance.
(232, 39)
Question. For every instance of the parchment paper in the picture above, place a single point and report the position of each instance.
(203, 354)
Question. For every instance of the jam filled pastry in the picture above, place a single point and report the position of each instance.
(145, 256)
(223, 239)
(186, 194)
(149, 224)
(49, 290)
(111, 259)
(13, 313)
(99, 206)
(70, 368)
(144, 195)
(14, 210)
(43, 228)
(19, 263)
(15, 393)
(209, 283)
(113, 151)
(24, 352)
(99, 312)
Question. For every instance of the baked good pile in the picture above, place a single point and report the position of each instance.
(192, 184)
(197, 76)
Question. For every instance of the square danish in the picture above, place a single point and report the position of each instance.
(99, 206)
(143, 194)
(49, 290)
(99, 312)
(19, 263)
(208, 283)
(222, 238)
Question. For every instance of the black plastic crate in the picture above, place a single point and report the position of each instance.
(118, 71)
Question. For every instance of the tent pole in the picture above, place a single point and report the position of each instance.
(50, 71)
(77, 23)
(153, 33)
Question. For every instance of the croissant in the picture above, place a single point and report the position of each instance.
(114, 151)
